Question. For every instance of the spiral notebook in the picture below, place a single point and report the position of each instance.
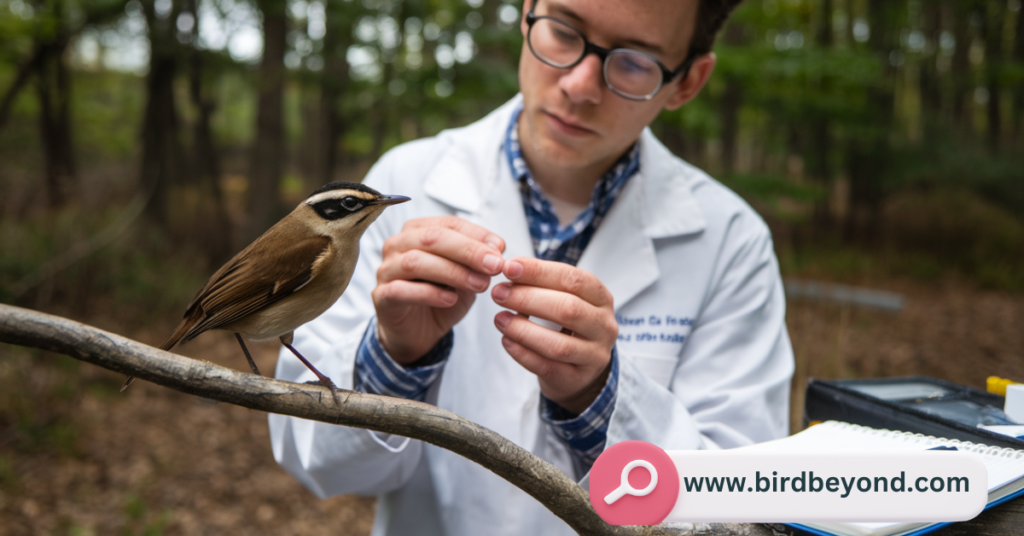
(1005, 468)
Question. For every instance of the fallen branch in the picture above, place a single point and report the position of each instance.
(407, 418)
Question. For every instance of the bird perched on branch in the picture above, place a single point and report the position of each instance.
(288, 276)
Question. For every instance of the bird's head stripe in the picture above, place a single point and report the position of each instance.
(338, 194)
(346, 185)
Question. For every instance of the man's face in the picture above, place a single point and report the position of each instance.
(570, 118)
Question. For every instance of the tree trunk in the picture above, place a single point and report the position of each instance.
(205, 159)
(992, 32)
(1018, 94)
(868, 156)
(159, 137)
(931, 93)
(54, 89)
(380, 112)
(961, 69)
(326, 125)
(25, 72)
(732, 98)
(54, 93)
(267, 161)
(849, 23)
(161, 148)
(333, 85)
(821, 141)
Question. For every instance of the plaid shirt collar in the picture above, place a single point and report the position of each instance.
(550, 240)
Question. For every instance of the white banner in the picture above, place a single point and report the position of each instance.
(638, 483)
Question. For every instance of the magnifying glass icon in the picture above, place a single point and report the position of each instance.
(624, 487)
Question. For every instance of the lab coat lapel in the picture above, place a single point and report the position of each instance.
(474, 179)
(502, 212)
(656, 203)
(620, 254)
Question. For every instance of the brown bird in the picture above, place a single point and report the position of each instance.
(289, 275)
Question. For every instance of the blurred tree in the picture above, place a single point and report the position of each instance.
(334, 84)
(820, 146)
(268, 152)
(205, 168)
(961, 79)
(161, 147)
(930, 72)
(820, 110)
(992, 21)
(1017, 76)
(51, 25)
(869, 152)
(730, 102)
(53, 85)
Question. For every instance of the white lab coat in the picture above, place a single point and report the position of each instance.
(705, 357)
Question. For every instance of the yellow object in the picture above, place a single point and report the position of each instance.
(997, 385)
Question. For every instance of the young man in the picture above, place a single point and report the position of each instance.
(559, 277)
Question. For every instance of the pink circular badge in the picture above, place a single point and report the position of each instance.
(634, 483)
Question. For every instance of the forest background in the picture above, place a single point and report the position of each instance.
(142, 143)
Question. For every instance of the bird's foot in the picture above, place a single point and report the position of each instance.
(324, 380)
(334, 392)
(330, 385)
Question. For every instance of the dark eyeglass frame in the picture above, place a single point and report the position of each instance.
(603, 53)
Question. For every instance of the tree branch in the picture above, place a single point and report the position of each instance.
(24, 72)
(407, 418)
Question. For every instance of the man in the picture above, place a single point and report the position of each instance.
(559, 277)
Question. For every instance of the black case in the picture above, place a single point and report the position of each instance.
(834, 400)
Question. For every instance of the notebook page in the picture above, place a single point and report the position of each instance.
(1004, 465)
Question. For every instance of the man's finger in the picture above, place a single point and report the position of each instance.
(582, 318)
(404, 293)
(558, 276)
(530, 360)
(545, 342)
(449, 244)
(459, 225)
(419, 265)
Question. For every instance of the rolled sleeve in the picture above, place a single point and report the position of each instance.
(377, 373)
(585, 434)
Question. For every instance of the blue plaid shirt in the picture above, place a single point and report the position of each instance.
(585, 433)
(552, 242)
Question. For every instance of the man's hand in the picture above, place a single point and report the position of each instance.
(430, 275)
(573, 365)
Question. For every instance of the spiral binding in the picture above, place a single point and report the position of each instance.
(932, 441)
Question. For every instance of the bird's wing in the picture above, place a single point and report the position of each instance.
(244, 285)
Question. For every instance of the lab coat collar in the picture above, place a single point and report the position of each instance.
(468, 171)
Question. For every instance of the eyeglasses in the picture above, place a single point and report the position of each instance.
(629, 73)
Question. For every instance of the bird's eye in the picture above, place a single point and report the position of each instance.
(351, 204)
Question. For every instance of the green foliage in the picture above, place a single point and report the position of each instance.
(781, 198)
(821, 101)
(107, 110)
(927, 235)
(952, 163)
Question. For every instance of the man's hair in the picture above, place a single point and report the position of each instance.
(711, 15)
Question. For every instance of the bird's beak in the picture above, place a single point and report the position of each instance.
(389, 200)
